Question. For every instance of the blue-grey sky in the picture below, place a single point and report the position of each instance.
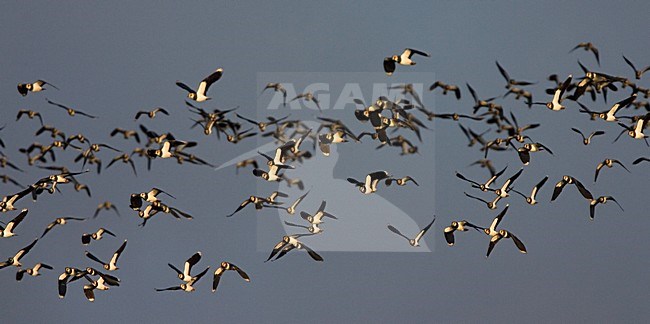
(113, 60)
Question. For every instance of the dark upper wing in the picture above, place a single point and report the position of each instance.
(518, 243)
(630, 64)
(425, 229)
(558, 189)
(94, 258)
(462, 177)
(472, 92)
(48, 228)
(184, 86)
(200, 275)
(583, 191)
(175, 269)
(355, 182)
(170, 288)
(389, 65)
(241, 272)
(378, 175)
(312, 253)
(25, 250)
(497, 220)
(192, 261)
(212, 78)
(524, 156)
(396, 231)
(579, 132)
(449, 237)
(57, 104)
(413, 51)
(503, 72)
(14, 222)
(538, 186)
(241, 206)
(276, 249)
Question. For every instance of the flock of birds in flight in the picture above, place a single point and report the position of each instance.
(389, 120)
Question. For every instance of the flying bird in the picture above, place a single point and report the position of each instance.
(245, 163)
(571, 180)
(227, 266)
(112, 264)
(496, 235)
(587, 140)
(462, 226)
(587, 46)
(69, 275)
(8, 231)
(402, 59)
(308, 96)
(15, 259)
(258, 202)
(69, 110)
(446, 88)
(187, 286)
(600, 200)
(400, 181)
(36, 86)
(97, 235)
(7, 202)
(289, 243)
(371, 182)
(124, 158)
(292, 208)
(126, 134)
(60, 221)
(609, 115)
(33, 271)
(151, 113)
(277, 87)
(607, 163)
(185, 275)
(107, 205)
(414, 242)
(30, 114)
(201, 93)
(102, 283)
(510, 81)
(490, 204)
(531, 199)
(317, 218)
(558, 95)
(482, 186)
